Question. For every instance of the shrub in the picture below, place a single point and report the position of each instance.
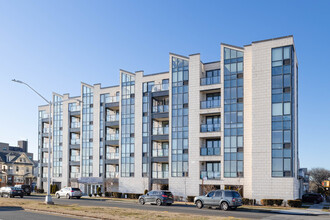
(35, 188)
(190, 198)
(40, 190)
(145, 191)
(295, 203)
(116, 194)
(107, 194)
(247, 201)
(90, 195)
(271, 202)
(100, 194)
(95, 194)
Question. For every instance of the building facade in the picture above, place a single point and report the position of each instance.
(229, 124)
(16, 164)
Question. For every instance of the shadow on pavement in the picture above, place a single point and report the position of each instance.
(10, 208)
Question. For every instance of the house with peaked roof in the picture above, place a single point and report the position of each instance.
(15, 168)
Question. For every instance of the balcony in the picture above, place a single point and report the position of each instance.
(160, 90)
(112, 156)
(160, 174)
(160, 131)
(112, 118)
(75, 127)
(210, 151)
(210, 127)
(211, 175)
(75, 158)
(112, 175)
(210, 80)
(74, 175)
(160, 152)
(210, 104)
(112, 137)
(160, 109)
(112, 99)
(75, 108)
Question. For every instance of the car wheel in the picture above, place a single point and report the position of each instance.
(199, 204)
(224, 206)
(67, 196)
(11, 196)
(158, 202)
(58, 196)
(141, 201)
(21, 196)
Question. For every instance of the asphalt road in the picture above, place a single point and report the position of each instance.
(178, 208)
(17, 213)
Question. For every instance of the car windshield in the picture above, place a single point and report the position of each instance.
(75, 189)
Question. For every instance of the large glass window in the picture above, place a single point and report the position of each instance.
(57, 136)
(180, 77)
(282, 117)
(87, 132)
(233, 118)
(127, 124)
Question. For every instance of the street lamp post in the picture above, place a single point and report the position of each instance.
(48, 199)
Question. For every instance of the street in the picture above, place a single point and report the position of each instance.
(178, 208)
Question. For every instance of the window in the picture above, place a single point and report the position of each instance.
(17, 168)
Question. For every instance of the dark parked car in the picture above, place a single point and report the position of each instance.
(26, 189)
(312, 197)
(160, 197)
(11, 192)
(224, 199)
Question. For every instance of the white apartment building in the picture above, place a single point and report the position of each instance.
(229, 124)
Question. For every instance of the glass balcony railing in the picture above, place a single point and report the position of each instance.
(160, 152)
(75, 158)
(160, 108)
(159, 87)
(74, 141)
(74, 108)
(112, 137)
(215, 175)
(45, 130)
(210, 127)
(111, 156)
(45, 160)
(160, 130)
(112, 118)
(111, 99)
(209, 151)
(75, 124)
(210, 80)
(45, 115)
(160, 174)
(74, 175)
(210, 104)
(112, 175)
(45, 145)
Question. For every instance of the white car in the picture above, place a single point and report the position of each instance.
(69, 192)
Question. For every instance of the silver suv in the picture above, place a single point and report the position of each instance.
(69, 192)
(224, 199)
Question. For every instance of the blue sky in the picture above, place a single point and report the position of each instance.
(54, 45)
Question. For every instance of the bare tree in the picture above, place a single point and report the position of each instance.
(316, 176)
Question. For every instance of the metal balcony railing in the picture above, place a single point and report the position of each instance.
(210, 104)
(210, 127)
(210, 80)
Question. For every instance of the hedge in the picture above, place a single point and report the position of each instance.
(247, 201)
(271, 202)
(190, 198)
(295, 203)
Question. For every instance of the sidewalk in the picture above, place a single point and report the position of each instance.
(315, 209)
